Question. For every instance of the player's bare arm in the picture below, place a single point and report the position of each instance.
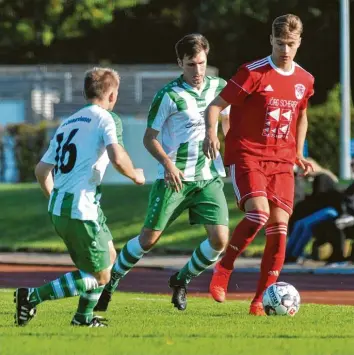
(122, 162)
(211, 143)
(44, 177)
(173, 176)
(301, 129)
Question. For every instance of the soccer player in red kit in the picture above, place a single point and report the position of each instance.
(268, 124)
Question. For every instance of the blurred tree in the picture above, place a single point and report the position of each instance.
(39, 22)
(81, 31)
(240, 30)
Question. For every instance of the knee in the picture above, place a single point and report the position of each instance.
(112, 255)
(148, 238)
(259, 204)
(103, 277)
(278, 217)
(220, 240)
(219, 244)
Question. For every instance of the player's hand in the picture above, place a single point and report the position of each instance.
(211, 146)
(304, 164)
(139, 177)
(173, 177)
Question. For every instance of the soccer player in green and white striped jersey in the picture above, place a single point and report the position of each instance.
(186, 178)
(78, 156)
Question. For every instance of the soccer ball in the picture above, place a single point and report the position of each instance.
(281, 299)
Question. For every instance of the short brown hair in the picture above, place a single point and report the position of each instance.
(190, 45)
(284, 25)
(98, 81)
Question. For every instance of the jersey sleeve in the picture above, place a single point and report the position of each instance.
(221, 86)
(309, 93)
(119, 128)
(239, 87)
(49, 155)
(109, 129)
(159, 111)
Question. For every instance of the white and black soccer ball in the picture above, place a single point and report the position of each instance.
(281, 299)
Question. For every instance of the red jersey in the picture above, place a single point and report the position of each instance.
(265, 103)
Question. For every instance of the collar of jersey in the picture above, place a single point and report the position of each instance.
(192, 91)
(281, 71)
(91, 104)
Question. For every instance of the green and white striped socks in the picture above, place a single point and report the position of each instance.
(87, 303)
(201, 259)
(71, 284)
(127, 258)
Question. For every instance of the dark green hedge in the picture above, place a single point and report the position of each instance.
(323, 132)
(30, 142)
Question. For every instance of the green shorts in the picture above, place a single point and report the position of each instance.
(204, 199)
(87, 241)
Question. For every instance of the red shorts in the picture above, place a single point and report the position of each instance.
(273, 180)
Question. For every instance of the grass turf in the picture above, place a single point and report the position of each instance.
(148, 324)
(25, 224)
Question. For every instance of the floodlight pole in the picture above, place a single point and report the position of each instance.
(345, 158)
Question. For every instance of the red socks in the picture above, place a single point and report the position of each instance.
(243, 235)
(273, 257)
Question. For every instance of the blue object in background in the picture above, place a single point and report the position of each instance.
(352, 147)
(306, 149)
(302, 231)
(11, 111)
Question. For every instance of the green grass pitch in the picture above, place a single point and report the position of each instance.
(124, 206)
(148, 324)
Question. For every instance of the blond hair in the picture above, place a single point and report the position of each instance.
(98, 81)
(287, 24)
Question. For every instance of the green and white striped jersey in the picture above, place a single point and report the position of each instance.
(177, 112)
(78, 153)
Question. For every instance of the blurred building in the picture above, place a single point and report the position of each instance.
(53, 92)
